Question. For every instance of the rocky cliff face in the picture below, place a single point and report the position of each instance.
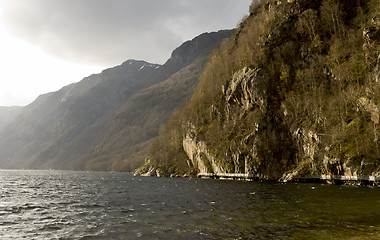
(199, 154)
(241, 151)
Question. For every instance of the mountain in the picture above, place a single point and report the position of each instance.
(294, 92)
(7, 115)
(67, 129)
(62, 123)
(124, 141)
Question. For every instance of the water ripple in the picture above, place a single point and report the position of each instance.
(99, 205)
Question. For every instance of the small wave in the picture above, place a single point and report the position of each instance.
(50, 227)
(8, 223)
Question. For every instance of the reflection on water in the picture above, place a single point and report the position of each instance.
(99, 205)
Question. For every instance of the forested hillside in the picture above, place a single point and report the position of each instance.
(295, 91)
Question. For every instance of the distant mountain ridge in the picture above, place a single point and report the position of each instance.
(70, 128)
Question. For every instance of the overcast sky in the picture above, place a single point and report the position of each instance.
(47, 44)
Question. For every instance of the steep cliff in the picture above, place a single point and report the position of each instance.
(294, 92)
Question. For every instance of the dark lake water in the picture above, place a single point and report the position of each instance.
(101, 205)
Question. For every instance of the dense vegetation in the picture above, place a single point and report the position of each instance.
(295, 90)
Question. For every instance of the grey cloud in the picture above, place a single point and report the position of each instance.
(108, 32)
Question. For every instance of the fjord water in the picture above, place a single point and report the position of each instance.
(108, 205)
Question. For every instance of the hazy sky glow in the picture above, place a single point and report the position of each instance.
(47, 44)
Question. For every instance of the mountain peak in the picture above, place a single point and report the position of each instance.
(139, 63)
(198, 45)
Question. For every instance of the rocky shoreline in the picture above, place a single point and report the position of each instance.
(321, 179)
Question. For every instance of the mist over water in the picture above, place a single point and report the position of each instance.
(101, 205)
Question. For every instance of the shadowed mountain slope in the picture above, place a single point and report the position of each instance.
(63, 129)
(7, 115)
(124, 140)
